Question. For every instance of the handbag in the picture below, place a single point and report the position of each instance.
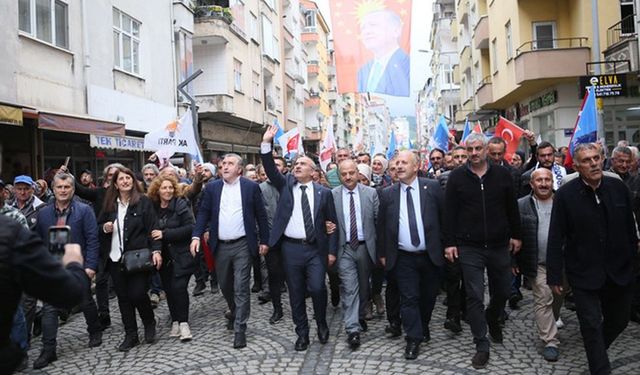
(140, 260)
(134, 261)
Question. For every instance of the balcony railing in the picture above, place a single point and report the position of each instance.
(622, 30)
(538, 44)
(213, 11)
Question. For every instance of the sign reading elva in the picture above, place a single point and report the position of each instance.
(606, 85)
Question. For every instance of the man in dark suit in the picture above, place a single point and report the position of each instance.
(388, 71)
(409, 245)
(592, 237)
(231, 207)
(299, 226)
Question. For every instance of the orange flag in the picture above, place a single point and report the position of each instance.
(511, 134)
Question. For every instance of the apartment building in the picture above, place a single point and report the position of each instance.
(295, 65)
(87, 79)
(315, 37)
(241, 90)
(524, 60)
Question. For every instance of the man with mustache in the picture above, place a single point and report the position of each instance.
(592, 237)
(535, 216)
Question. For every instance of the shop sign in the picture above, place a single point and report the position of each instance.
(10, 115)
(117, 143)
(542, 101)
(606, 85)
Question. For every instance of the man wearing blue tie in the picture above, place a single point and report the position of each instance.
(307, 249)
(410, 247)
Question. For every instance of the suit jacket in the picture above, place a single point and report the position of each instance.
(395, 79)
(252, 210)
(323, 208)
(369, 205)
(431, 203)
(579, 243)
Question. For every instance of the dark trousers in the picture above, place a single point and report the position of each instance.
(454, 286)
(603, 314)
(50, 320)
(497, 261)
(131, 290)
(305, 271)
(418, 282)
(392, 298)
(102, 287)
(377, 278)
(276, 275)
(201, 272)
(175, 287)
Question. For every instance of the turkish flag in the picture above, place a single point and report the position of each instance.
(511, 134)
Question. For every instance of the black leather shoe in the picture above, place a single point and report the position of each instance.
(105, 320)
(228, 315)
(95, 339)
(426, 335)
(128, 343)
(635, 316)
(199, 289)
(276, 316)
(44, 359)
(412, 349)
(264, 297)
(479, 360)
(302, 343)
(256, 288)
(240, 340)
(394, 330)
(453, 325)
(230, 324)
(323, 333)
(150, 333)
(363, 325)
(354, 340)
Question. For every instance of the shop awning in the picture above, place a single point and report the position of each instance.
(117, 142)
(10, 115)
(76, 124)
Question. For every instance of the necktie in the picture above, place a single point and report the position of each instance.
(353, 230)
(306, 214)
(413, 224)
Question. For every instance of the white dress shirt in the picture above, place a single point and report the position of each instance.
(404, 234)
(295, 227)
(346, 211)
(118, 232)
(230, 218)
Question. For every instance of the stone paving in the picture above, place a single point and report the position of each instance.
(270, 348)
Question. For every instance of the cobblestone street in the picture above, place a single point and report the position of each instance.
(270, 348)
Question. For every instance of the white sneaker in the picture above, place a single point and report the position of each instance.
(175, 330)
(185, 332)
(559, 323)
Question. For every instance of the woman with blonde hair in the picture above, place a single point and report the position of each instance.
(127, 221)
(175, 223)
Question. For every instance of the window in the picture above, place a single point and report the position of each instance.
(47, 20)
(278, 98)
(237, 10)
(267, 37)
(126, 42)
(447, 72)
(310, 18)
(494, 55)
(256, 85)
(237, 75)
(507, 34)
(253, 25)
(544, 34)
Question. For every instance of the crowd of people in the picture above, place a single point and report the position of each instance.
(417, 226)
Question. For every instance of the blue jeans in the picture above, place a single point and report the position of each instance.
(19, 330)
(156, 283)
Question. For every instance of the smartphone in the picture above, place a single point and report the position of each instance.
(59, 235)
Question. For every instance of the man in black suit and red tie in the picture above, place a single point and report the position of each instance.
(307, 249)
(410, 247)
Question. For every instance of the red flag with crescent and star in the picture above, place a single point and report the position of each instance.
(511, 134)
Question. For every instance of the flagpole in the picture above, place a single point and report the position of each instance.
(595, 56)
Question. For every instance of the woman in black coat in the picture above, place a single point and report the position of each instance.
(175, 223)
(127, 220)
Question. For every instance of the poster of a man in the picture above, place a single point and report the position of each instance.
(372, 45)
(388, 71)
